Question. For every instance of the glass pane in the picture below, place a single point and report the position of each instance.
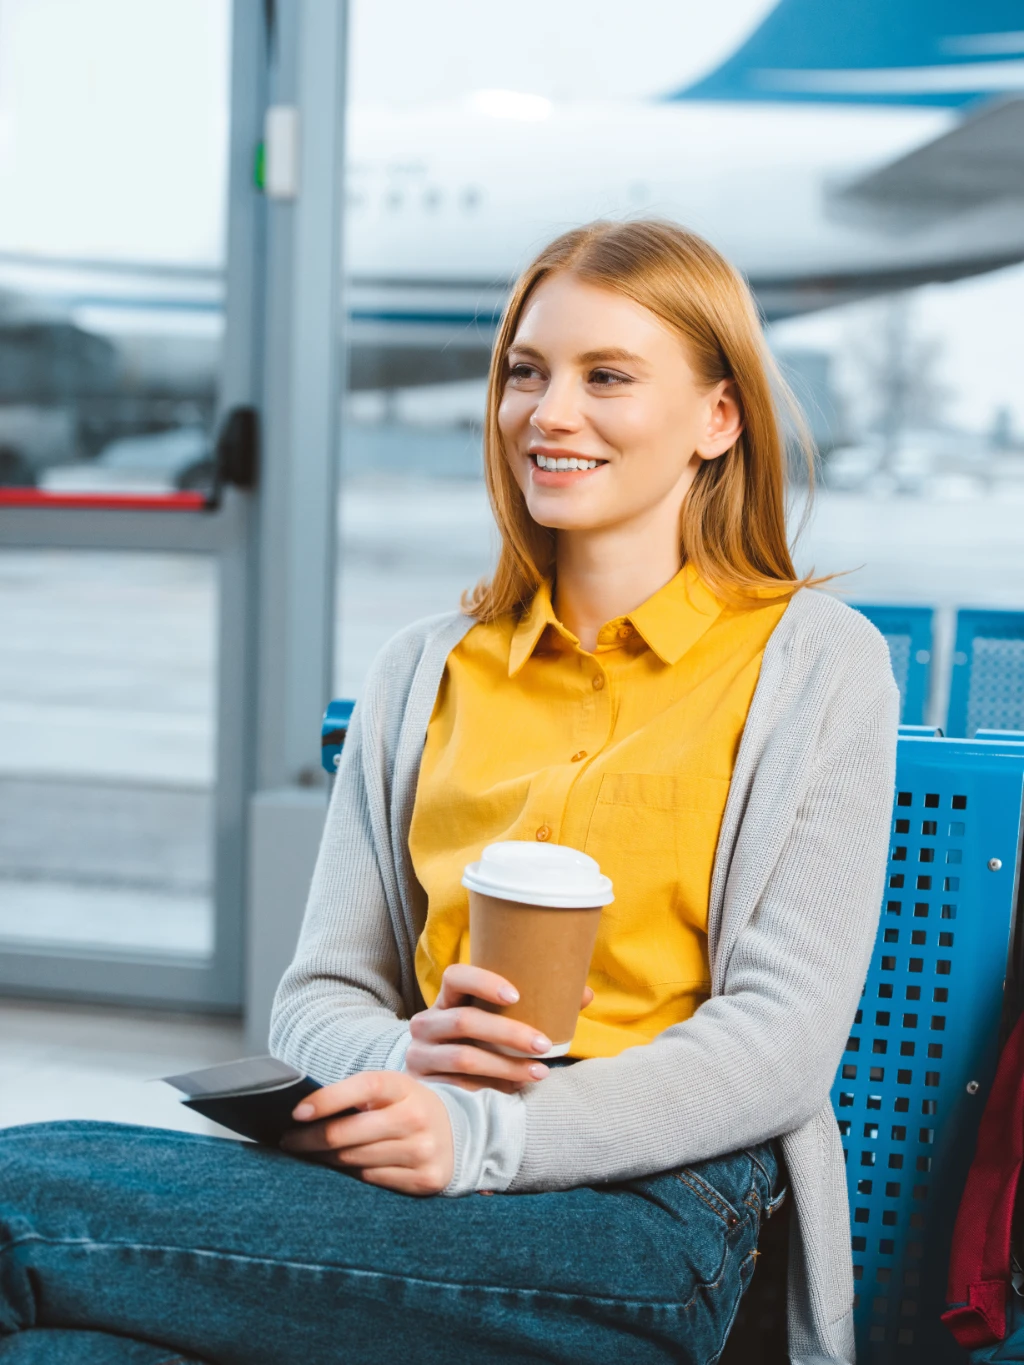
(107, 686)
(409, 547)
(463, 165)
(112, 175)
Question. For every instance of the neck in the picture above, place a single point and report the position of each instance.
(602, 574)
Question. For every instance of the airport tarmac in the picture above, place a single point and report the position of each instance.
(107, 681)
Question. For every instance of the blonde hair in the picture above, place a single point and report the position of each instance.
(733, 521)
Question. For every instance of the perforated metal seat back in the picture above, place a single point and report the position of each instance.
(923, 1049)
(987, 686)
(908, 633)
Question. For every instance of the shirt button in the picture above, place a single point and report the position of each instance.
(625, 632)
(544, 833)
(576, 757)
(598, 682)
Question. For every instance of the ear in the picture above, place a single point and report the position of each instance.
(724, 421)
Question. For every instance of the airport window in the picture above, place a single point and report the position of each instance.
(112, 743)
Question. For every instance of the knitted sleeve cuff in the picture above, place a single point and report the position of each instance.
(489, 1132)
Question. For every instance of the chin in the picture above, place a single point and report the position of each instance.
(560, 516)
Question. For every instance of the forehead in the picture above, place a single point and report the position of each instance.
(567, 313)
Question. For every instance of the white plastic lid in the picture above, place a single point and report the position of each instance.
(539, 874)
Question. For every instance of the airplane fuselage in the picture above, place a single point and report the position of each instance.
(445, 204)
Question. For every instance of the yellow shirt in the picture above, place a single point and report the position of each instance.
(626, 753)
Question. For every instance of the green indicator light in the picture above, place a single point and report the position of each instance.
(259, 167)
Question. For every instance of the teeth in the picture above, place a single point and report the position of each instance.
(553, 463)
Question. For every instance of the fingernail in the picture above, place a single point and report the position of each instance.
(538, 1071)
(304, 1111)
(509, 994)
(541, 1044)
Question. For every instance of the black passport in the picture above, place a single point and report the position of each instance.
(253, 1097)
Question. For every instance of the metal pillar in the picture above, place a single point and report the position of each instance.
(296, 534)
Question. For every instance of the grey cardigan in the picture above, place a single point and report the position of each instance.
(795, 898)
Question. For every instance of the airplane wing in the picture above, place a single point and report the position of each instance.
(975, 163)
(943, 53)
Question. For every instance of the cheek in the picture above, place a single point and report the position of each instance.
(513, 416)
(514, 412)
(661, 431)
(637, 430)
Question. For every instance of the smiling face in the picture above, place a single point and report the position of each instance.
(603, 420)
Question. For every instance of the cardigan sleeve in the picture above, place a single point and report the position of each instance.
(339, 1006)
(756, 1060)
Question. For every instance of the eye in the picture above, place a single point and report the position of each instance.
(606, 379)
(522, 373)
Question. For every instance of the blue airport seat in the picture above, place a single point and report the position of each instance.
(333, 729)
(936, 1007)
(987, 688)
(908, 633)
(922, 1053)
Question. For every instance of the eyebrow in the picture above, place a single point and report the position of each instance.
(611, 353)
(587, 357)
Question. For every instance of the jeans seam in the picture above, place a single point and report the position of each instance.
(704, 1285)
(355, 1271)
(760, 1167)
(736, 1307)
(708, 1195)
(773, 1201)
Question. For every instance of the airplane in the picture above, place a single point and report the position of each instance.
(884, 154)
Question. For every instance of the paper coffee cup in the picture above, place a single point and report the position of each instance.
(534, 911)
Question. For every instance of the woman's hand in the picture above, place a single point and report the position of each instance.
(454, 1040)
(401, 1138)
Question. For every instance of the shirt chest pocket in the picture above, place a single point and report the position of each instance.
(655, 835)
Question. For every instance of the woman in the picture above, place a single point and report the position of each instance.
(647, 678)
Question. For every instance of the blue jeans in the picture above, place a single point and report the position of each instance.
(136, 1246)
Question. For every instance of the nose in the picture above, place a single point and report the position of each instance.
(557, 408)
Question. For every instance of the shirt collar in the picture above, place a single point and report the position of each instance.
(531, 627)
(675, 618)
(670, 622)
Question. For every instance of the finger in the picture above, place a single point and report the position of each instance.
(467, 1059)
(373, 1125)
(588, 996)
(367, 1089)
(461, 980)
(403, 1180)
(476, 1025)
(399, 1152)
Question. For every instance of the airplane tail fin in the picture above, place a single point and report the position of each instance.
(943, 53)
